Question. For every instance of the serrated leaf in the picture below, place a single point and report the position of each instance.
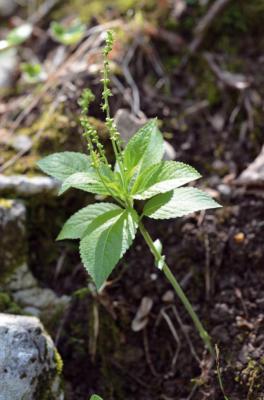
(163, 177)
(86, 181)
(103, 246)
(95, 397)
(79, 222)
(145, 148)
(62, 165)
(177, 203)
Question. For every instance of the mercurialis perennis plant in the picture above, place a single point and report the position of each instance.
(107, 229)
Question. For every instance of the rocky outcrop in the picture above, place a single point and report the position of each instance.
(30, 366)
(16, 279)
(22, 185)
(13, 242)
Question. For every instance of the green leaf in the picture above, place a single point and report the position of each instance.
(145, 148)
(103, 245)
(67, 35)
(160, 262)
(177, 203)
(95, 397)
(16, 36)
(19, 34)
(33, 73)
(79, 222)
(163, 177)
(62, 165)
(86, 181)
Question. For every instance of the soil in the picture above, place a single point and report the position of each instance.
(218, 256)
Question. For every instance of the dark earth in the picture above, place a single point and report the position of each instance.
(218, 256)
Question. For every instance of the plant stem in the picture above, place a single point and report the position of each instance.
(180, 293)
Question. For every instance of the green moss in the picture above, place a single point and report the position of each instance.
(207, 88)
(98, 8)
(55, 132)
(6, 203)
(45, 389)
(12, 252)
(59, 362)
(241, 18)
(7, 305)
(252, 378)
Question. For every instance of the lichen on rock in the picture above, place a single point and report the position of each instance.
(28, 361)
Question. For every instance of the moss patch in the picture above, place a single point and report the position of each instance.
(7, 305)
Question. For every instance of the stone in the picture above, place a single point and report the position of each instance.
(128, 124)
(13, 242)
(16, 279)
(40, 298)
(30, 365)
(21, 143)
(7, 7)
(31, 298)
(21, 185)
(8, 64)
(253, 175)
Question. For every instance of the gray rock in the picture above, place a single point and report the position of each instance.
(128, 124)
(33, 299)
(7, 7)
(21, 278)
(39, 298)
(13, 243)
(25, 186)
(29, 363)
(15, 277)
(21, 142)
(8, 64)
(254, 173)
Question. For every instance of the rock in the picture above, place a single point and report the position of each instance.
(31, 298)
(21, 278)
(141, 317)
(39, 298)
(8, 64)
(254, 173)
(7, 7)
(127, 124)
(16, 279)
(21, 143)
(225, 190)
(13, 243)
(168, 296)
(21, 185)
(30, 366)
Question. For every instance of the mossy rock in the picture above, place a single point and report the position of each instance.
(13, 249)
(7, 305)
(86, 11)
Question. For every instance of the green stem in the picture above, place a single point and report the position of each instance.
(108, 189)
(180, 293)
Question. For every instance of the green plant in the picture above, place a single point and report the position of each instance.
(95, 397)
(67, 35)
(106, 230)
(218, 370)
(32, 73)
(16, 36)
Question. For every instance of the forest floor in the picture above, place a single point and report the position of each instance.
(207, 92)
